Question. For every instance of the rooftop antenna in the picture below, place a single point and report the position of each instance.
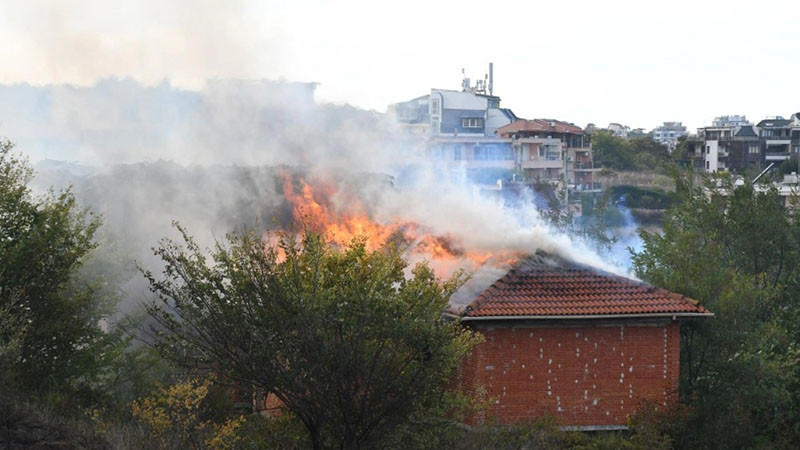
(491, 78)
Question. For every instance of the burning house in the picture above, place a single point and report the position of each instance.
(567, 340)
(561, 337)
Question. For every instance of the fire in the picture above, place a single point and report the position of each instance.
(325, 207)
(313, 207)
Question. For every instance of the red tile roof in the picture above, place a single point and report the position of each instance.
(545, 286)
(540, 125)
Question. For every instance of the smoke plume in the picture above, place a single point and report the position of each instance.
(216, 160)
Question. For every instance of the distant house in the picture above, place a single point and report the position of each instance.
(461, 125)
(619, 130)
(734, 145)
(726, 148)
(668, 134)
(570, 341)
(776, 133)
(549, 150)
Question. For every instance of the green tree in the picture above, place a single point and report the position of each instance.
(54, 314)
(735, 249)
(349, 343)
(611, 151)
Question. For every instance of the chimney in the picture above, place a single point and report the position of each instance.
(491, 78)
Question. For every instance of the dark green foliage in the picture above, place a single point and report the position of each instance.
(637, 153)
(44, 241)
(353, 348)
(736, 250)
(638, 197)
(788, 166)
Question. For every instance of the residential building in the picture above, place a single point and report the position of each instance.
(776, 134)
(730, 121)
(668, 134)
(552, 150)
(619, 130)
(461, 125)
(728, 148)
(566, 340)
(735, 145)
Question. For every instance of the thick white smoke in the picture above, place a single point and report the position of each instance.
(144, 156)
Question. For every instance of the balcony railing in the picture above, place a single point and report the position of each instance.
(588, 187)
(587, 166)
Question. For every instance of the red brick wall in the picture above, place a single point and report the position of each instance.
(583, 375)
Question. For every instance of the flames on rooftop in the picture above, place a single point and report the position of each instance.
(336, 210)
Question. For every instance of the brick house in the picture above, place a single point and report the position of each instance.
(583, 345)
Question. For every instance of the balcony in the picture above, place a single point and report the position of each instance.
(547, 163)
(777, 156)
(586, 167)
(588, 187)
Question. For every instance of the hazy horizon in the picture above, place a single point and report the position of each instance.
(618, 61)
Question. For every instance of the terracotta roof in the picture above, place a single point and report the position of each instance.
(540, 125)
(545, 286)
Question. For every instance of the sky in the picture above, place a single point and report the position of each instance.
(634, 62)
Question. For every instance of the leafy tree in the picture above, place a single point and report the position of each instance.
(349, 344)
(735, 249)
(635, 153)
(44, 240)
(612, 151)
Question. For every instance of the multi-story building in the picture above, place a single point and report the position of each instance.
(552, 150)
(735, 146)
(668, 134)
(728, 148)
(776, 134)
(619, 130)
(730, 121)
(462, 125)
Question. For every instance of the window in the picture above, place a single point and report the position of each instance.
(435, 125)
(457, 153)
(492, 153)
(766, 133)
(472, 123)
(754, 149)
(435, 107)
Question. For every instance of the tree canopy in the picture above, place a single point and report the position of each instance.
(50, 329)
(636, 153)
(735, 249)
(349, 341)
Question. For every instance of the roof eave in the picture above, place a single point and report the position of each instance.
(590, 316)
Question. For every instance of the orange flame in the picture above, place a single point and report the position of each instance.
(324, 207)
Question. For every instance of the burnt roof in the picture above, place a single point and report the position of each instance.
(544, 286)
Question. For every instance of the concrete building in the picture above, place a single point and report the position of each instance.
(552, 150)
(567, 340)
(730, 121)
(619, 130)
(728, 148)
(461, 125)
(776, 134)
(735, 145)
(668, 134)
